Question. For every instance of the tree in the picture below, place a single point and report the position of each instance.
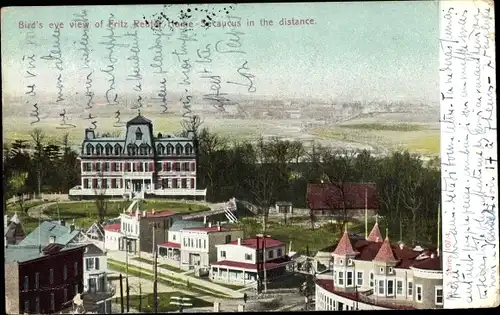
(191, 123)
(100, 196)
(337, 170)
(38, 137)
(412, 201)
(17, 183)
(210, 146)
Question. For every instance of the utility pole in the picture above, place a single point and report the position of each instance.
(121, 292)
(155, 271)
(126, 279)
(264, 261)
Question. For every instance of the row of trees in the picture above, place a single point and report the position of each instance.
(260, 172)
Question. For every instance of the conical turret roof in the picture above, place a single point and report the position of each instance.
(375, 235)
(385, 253)
(344, 246)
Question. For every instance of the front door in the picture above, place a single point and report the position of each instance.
(137, 184)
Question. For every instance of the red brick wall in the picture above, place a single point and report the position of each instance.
(43, 266)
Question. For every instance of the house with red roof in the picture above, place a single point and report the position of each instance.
(134, 231)
(237, 260)
(328, 199)
(372, 273)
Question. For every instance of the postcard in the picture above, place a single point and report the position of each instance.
(250, 157)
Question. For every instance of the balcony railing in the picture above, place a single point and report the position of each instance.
(122, 191)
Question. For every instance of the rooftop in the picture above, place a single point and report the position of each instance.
(345, 246)
(329, 197)
(20, 254)
(209, 229)
(115, 227)
(170, 245)
(41, 235)
(139, 120)
(183, 224)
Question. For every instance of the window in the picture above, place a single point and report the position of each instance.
(37, 305)
(371, 280)
(37, 280)
(248, 256)
(75, 267)
(138, 134)
(410, 288)
(381, 287)
(26, 306)
(270, 254)
(223, 254)
(381, 269)
(51, 275)
(173, 237)
(391, 270)
(439, 295)
(280, 252)
(341, 278)
(390, 287)
(399, 287)
(52, 302)
(349, 278)
(341, 261)
(204, 243)
(349, 262)
(26, 283)
(228, 239)
(89, 262)
(418, 295)
(65, 272)
(359, 279)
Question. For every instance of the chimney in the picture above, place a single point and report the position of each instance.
(62, 222)
(72, 227)
(239, 240)
(52, 239)
(209, 224)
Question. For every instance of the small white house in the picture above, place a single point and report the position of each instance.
(237, 261)
(95, 269)
(112, 236)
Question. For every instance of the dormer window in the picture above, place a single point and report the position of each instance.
(138, 134)
(170, 149)
(189, 149)
(90, 149)
(349, 262)
(99, 149)
(381, 269)
(108, 149)
(391, 270)
(179, 149)
(341, 261)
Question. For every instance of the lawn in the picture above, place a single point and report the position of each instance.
(147, 302)
(299, 232)
(85, 212)
(164, 279)
(165, 266)
(29, 224)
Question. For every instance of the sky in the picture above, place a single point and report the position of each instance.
(367, 51)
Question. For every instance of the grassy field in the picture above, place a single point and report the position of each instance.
(299, 232)
(146, 302)
(175, 269)
(414, 138)
(85, 212)
(164, 279)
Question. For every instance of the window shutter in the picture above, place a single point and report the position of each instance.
(151, 166)
(97, 263)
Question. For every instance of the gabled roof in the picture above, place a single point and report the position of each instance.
(375, 235)
(138, 120)
(329, 197)
(345, 247)
(95, 228)
(385, 253)
(41, 235)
